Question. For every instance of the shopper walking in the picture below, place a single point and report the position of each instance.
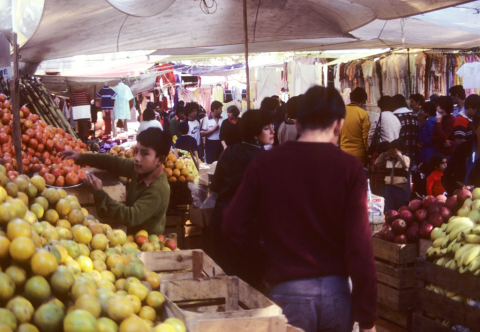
(443, 134)
(230, 130)
(389, 126)
(211, 132)
(149, 121)
(463, 126)
(425, 137)
(288, 129)
(416, 102)
(257, 131)
(409, 131)
(191, 110)
(457, 92)
(313, 223)
(354, 136)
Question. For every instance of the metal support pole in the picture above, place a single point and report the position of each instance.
(15, 95)
(247, 68)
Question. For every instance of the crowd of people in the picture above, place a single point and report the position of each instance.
(411, 150)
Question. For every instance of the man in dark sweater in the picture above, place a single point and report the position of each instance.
(306, 202)
(230, 130)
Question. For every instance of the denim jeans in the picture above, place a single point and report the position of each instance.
(317, 304)
(395, 197)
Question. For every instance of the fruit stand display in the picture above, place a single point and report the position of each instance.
(62, 270)
(449, 276)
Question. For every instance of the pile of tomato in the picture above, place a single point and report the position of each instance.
(40, 145)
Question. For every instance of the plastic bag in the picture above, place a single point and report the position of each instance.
(209, 203)
(199, 193)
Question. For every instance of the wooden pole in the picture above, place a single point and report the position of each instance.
(247, 69)
(15, 95)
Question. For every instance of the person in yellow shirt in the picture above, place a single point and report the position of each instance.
(354, 135)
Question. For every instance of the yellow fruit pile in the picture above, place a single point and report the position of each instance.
(122, 152)
(62, 270)
(180, 169)
(152, 242)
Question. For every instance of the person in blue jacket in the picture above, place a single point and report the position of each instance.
(425, 144)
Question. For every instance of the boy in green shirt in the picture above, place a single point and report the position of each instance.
(148, 193)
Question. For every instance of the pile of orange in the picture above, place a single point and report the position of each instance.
(177, 170)
(62, 270)
(40, 145)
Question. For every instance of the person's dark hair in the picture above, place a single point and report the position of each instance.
(457, 90)
(150, 105)
(476, 121)
(269, 104)
(183, 127)
(385, 103)
(253, 122)
(180, 109)
(434, 98)
(473, 101)
(233, 109)
(320, 107)
(156, 139)
(358, 95)
(445, 103)
(437, 160)
(190, 107)
(398, 144)
(215, 105)
(399, 102)
(181, 103)
(148, 114)
(430, 108)
(292, 106)
(419, 98)
(383, 147)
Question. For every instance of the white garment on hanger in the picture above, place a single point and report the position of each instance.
(266, 84)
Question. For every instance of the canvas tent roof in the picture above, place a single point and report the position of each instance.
(90, 27)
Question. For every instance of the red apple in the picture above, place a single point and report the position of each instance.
(413, 234)
(435, 220)
(452, 203)
(463, 194)
(415, 205)
(161, 238)
(433, 209)
(428, 200)
(388, 234)
(425, 231)
(445, 213)
(415, 224)
(400, 239)
(406, 215)
(440, 200)
(378, 235)
(170, 243)
(421, 214)
(402, 208)
(391, 216)
(399, 226)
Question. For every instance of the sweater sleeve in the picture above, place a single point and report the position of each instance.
(239, 227)
(439, 136)
(114, 164)
(365, 131)
(430, 182)
(143, 208)
(359, 251)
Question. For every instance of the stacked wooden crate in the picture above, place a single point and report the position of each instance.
(434, 311)
(396, 281)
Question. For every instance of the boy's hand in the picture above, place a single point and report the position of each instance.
(69, 154)
(94, 182)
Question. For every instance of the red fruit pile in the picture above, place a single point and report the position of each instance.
(40, 145)
(417, 220)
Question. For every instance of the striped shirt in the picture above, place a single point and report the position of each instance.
(80, 98)
(463, 127)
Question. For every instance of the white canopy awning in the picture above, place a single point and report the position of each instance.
(70, 28)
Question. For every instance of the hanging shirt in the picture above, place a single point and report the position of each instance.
(470, 72)
(80, 101)
(107, 94)
(121, 108)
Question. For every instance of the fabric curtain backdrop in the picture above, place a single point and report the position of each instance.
(266, 84)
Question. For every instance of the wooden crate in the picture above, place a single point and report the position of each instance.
(429, 302)
(396, 281)
(182, 264)
(423, 246)
(84, 193)
(221, 304)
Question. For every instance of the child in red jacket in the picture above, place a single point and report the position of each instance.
(434, 180)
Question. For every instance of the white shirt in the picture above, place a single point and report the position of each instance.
(470, 72)
(209, 124)
(194, 130)
(389, 128)
(149, 124)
